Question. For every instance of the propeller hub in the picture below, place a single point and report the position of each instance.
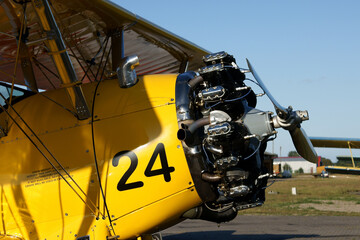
(293, 120)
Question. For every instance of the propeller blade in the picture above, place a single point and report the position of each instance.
(280, 110)
(303, 145)
(290, 120)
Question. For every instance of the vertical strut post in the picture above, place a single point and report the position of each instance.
(61, 58)
(352, 158)
(184, 65)
(117, 52)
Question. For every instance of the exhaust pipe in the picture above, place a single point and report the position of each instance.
(207, 214)
(186, 134)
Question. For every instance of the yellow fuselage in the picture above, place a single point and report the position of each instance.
(141, 163)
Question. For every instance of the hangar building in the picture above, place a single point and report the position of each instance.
(295, 163)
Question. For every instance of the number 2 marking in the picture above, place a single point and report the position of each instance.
(165, 170)
(122, 185)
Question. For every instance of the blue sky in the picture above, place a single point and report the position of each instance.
(306, 52)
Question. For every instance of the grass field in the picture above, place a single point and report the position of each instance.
(338, 195)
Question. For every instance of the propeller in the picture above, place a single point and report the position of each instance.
(290, 120)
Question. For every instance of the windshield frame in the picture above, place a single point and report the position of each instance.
(6, 88)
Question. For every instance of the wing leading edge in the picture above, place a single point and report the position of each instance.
(335, 142)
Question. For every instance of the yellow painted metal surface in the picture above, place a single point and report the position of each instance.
(125, 127)
(37, 204)
(157, 216)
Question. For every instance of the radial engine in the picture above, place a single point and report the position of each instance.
(224, 136)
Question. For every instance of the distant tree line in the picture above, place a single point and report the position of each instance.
(293, 154)
(326, 162)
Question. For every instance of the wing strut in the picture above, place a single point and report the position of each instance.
(352, 158)
(61, 58)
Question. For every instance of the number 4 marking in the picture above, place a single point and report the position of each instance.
(165, 169)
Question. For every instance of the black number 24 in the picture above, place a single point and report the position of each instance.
(165, 170)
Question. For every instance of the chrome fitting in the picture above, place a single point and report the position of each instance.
(126, 71)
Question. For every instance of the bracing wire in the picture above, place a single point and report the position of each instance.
(42, 153)
(18, 50)
(48, 98)
(106, 61)
(102, 57)
(37, 62)
(42, 71)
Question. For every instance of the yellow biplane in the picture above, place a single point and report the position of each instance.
(327, 142)
(113, 128)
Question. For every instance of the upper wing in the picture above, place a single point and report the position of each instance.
(335, 142)
(90, 31)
